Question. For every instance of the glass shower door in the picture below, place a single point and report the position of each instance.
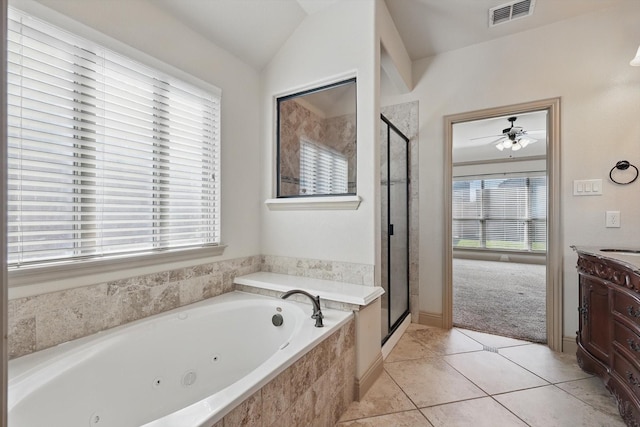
(395, 227)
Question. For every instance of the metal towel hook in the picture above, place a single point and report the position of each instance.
(623, 165)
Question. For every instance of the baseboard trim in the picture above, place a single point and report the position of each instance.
(569, 345)
(430, 319)
(393, 339)
(370, 376)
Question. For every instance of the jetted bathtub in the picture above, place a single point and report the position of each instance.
(186, 367)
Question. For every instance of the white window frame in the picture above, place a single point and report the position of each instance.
(155, 261)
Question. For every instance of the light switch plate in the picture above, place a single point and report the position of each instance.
(587, 187)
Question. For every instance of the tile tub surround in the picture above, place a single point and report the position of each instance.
(45, 320)
(314, 391)
(359, 274)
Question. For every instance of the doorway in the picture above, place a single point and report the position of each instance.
(499, 225)
(552, 258)
(394, 179)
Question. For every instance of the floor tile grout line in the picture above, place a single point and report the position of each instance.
(510, 391)
(379, 415)
(502, 393)
(510, 411)
(415, 407)
(401, 389)
(525, 368)
(578, 398)
(452, 402)
(525, 342)
(465, 377)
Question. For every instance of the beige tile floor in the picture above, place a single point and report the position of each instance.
(436, 378)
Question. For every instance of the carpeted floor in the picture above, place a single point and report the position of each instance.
(501, 298)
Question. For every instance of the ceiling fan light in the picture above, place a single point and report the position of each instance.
(499, 146)
(507, 143)
(524, 141)
(516, 146)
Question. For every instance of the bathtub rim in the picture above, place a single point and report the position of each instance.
(199, 412)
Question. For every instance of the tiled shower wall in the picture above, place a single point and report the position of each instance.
(298, 122)
(45, 320)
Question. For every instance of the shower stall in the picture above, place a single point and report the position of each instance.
(395, 226)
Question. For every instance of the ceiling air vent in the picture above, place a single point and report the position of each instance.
(510, 11)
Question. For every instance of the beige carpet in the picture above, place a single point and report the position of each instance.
(501, 298)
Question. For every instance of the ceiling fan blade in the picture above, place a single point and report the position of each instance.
(484, 137)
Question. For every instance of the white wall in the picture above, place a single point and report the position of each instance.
(585, 61)
(147, 28)
(329, 45)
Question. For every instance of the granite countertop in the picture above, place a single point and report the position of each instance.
(630, 259)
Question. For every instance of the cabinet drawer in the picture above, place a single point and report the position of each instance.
(628, 340)
(628, 307)
(628, 374)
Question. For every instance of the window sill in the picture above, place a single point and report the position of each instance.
(63, 271)
(314, 203)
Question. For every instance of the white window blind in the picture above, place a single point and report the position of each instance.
(322, 169)
(505, 213)
(106, 156)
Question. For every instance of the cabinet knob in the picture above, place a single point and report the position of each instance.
(632, 312)
(632, 380)
(633, 345)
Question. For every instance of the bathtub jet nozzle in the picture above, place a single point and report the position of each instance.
(317, 313)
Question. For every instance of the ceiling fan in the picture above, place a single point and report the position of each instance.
(513, 137)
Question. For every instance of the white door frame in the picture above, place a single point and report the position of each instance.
(4, 357)
(554, 237)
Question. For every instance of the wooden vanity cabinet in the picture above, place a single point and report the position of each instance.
(609, 329)
(595, 336)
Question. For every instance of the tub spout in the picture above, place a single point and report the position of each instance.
(317, 313)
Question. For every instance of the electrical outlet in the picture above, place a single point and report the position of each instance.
(612, 219)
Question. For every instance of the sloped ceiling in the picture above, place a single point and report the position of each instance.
(254, 30)
(429, 27)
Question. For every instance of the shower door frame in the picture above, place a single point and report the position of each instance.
(392, 327)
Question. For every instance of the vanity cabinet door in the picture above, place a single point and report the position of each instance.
(595, 312)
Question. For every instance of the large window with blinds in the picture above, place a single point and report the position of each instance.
(106, 156)
(500, 214)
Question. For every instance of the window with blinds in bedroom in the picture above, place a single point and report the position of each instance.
(500, 214)
(107, 157)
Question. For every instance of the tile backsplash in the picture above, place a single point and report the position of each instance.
(45, 320)
(359, 274)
